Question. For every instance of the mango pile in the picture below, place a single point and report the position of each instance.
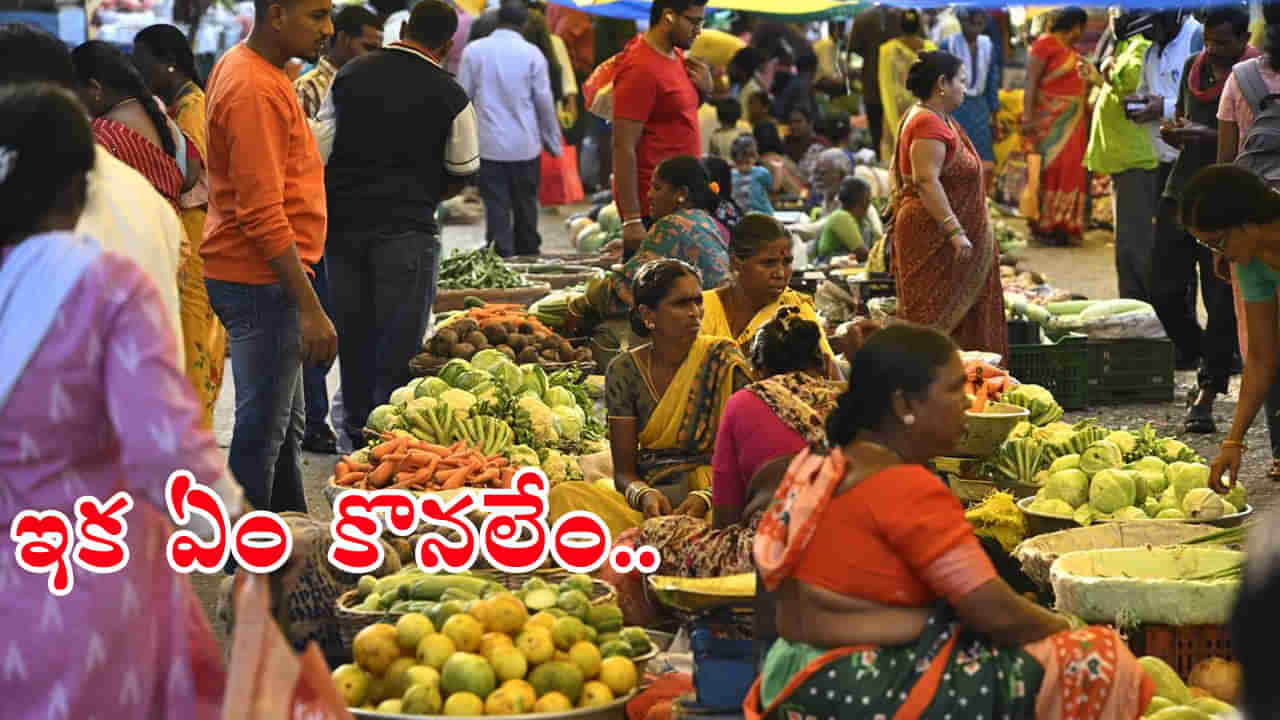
(1173, 700)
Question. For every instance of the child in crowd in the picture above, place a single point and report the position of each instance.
(751, 183)
(729, 113)
(853, 228)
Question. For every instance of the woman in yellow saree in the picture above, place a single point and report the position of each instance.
(664, 403)
(760, 261)
(163, 55)
(896, 58)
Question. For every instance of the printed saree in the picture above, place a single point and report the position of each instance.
(693, 547)
(964, 300)
(948, 671)
(675, 441)
(203, 336)
(1062, 131)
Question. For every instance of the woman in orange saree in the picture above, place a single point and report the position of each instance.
(1055, 123)
(945, 259)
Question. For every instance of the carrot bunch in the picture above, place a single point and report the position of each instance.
(499, 313)
(985, 382)
(406, 463)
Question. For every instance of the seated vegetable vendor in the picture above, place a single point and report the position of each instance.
(664, 402)
(915, 623)
(682, 201)
(780, 414)
(760, 258)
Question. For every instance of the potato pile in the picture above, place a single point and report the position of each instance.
(507, 329)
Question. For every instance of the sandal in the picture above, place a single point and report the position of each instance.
(1274, 475)
(1200, 421)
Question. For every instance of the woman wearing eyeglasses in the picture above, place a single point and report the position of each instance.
(1232, 211)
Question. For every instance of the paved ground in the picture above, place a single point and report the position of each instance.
(1088, 270)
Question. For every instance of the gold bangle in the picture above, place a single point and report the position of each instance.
(1225, 444)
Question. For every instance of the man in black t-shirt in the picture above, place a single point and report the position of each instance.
(399, 135)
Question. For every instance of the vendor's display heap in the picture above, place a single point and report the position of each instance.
(1099, 319)
(468, 646)
(486, 410)
(589, 236)
(506, 329)
(478, 269)
(1214, 684)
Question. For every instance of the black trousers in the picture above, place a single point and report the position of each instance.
(1175, 261)
(378, 282)
(510, 194)
(875, 123)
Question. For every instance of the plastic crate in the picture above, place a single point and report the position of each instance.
(1182, 647)
(1062, 368)
(1024, 332)
(1122, 371)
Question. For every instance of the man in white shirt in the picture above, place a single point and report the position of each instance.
(123, 212)
(1174, 38)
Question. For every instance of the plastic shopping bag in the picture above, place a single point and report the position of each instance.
(267, 680)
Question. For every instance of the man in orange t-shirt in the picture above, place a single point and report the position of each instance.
(265, 230)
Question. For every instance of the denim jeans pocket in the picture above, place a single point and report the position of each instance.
(236, 305)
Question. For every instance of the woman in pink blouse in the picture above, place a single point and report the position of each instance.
(778, 415)
(91, 403)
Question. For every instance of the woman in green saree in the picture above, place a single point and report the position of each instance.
(664, 401)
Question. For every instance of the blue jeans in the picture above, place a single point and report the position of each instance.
(377, 278)
(266, 360)
(510, 194)
(315, 388)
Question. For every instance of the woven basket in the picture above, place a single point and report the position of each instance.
(1038, 553)
(447, 300)
(351, 622)
(595, 260)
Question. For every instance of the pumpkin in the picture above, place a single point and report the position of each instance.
(1218, 677)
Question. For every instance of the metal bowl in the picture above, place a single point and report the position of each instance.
(615, 709)
(1039, 523)
(984, 431)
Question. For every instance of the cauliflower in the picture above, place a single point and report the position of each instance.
(560, 468)
(460, 401)
(542, 420)
(569, 422)
(422, 404)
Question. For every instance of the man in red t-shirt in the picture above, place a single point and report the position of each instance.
(656, 94)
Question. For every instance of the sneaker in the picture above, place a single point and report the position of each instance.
(320, 440)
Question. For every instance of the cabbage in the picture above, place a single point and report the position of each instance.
(1171, 450)
(1102, 455)
(568, 421)
(1125, 440)
(1184, 477)
(486, 360)
(560, 397)
(1151, 507)
(1229, 509)
(1171, 514)
(485, 392)
(1139, 486)
(1152, 470)
(509, 375)
(470, 379)
(430, 387)
(609, 219)
(1052, 506)
(452, 369)
(383, 417)
(1070, 486)
(1066, 462)
(1085, 515)
(1237, 496)
(1169, 500)
(1129, 513)
(1111, 490)
(401, 395)
(1021, 430)
(1203, 504)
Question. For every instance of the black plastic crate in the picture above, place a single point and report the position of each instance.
(1061, 368)
(1123, 371)
(1024, 332)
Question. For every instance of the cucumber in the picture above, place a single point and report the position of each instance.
(433, 587)
(1037, 314)
(1110, 308)
(1069, 307)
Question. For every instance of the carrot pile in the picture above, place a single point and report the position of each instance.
(985, 382)
(508, 313)
(405, 463)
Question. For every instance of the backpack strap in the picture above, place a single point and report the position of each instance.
(1254, 89)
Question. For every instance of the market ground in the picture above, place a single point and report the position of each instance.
(1088, 270)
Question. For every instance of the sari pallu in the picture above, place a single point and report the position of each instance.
(953, 672)
(715, 321)
(676, 441)
(1062, 130)
(963, 300)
